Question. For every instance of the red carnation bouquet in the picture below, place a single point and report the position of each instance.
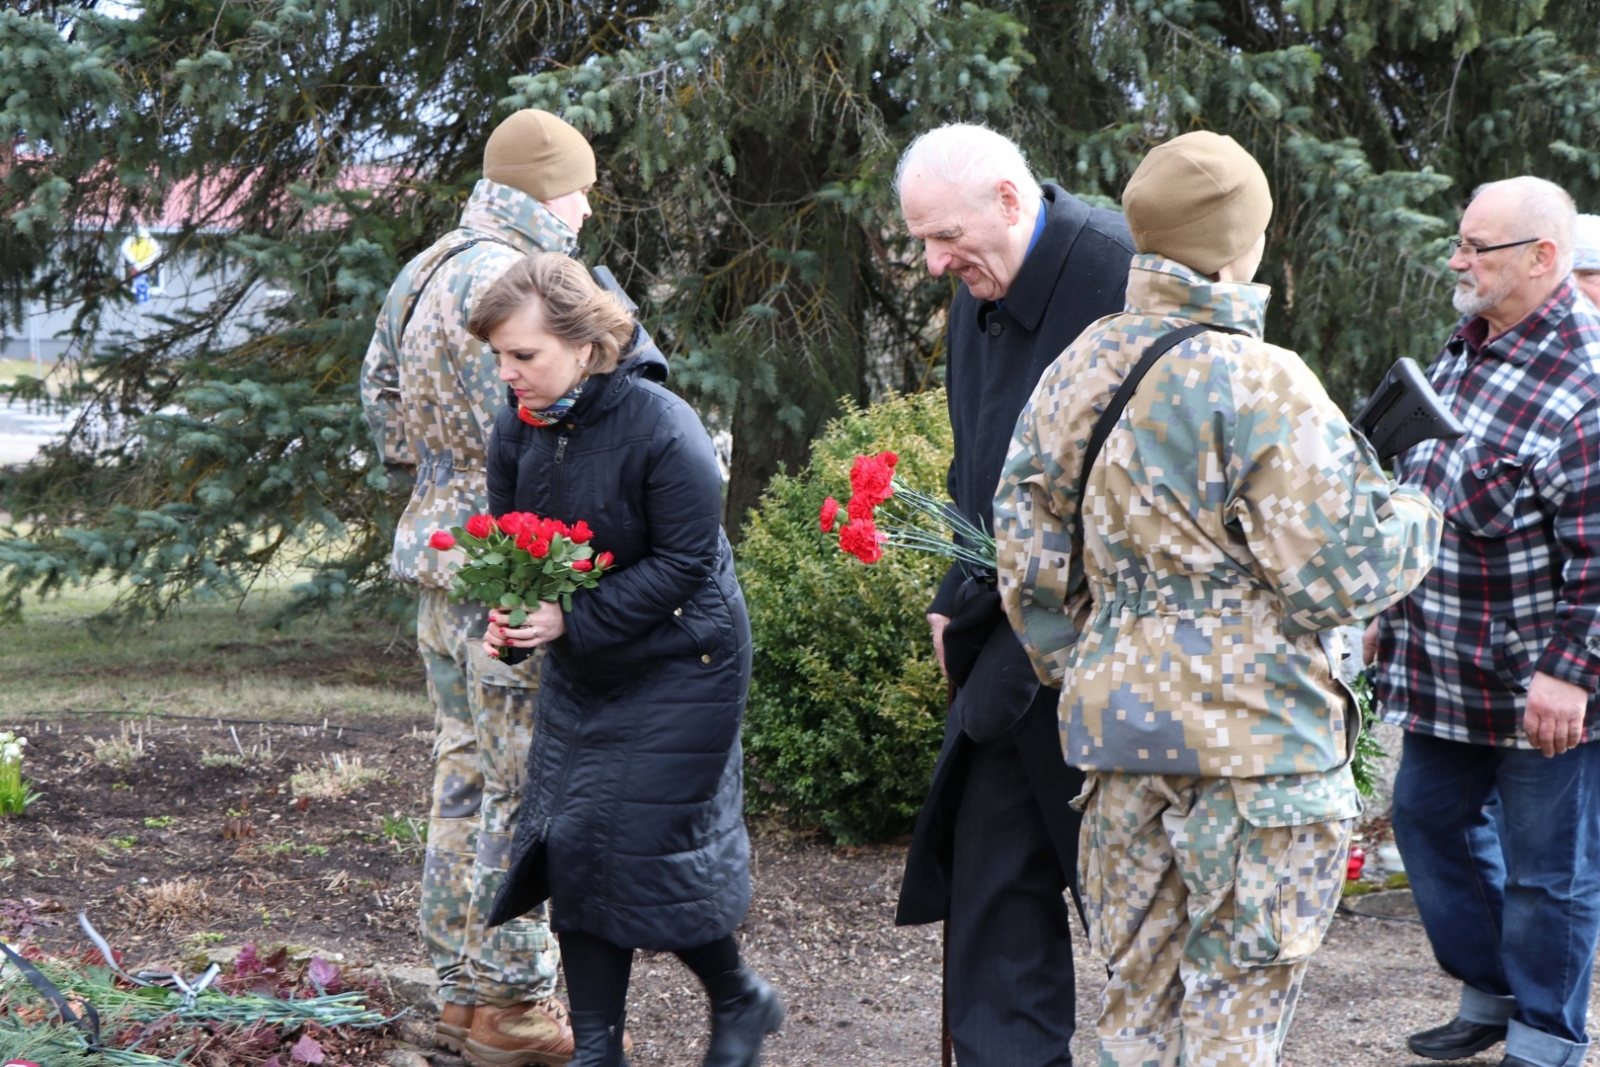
(923, 524)
(519, 559)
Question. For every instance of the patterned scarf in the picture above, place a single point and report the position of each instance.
(555, 412)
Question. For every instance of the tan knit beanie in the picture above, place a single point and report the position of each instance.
(1200, 199)
(539, 154)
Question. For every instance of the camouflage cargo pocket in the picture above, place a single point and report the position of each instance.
(1285, 891)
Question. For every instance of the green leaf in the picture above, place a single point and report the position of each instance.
(517, 618)
(510, 601)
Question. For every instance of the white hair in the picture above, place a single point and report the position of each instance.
(1545, 210)
(972, 158)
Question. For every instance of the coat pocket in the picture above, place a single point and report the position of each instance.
(1285, 890)
(1488, 499)
(1511, 663)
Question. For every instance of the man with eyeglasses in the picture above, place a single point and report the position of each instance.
(1491, 665)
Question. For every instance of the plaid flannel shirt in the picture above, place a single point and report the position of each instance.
(1517, 585)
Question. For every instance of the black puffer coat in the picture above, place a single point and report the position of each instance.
(632, 816)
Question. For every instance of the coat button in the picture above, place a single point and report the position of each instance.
(994, 329)
(677, 611)
(705, 659)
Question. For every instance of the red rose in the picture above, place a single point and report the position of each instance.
(604, 560)
(480, 526)
(871, 479)
(583, 564)
(863, 541)
(581, 533)
(525, 540)
(510, 523)
(539, 549)
(830, 508)
(442, 541)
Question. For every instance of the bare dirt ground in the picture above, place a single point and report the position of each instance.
(191, 847)
(138, 844)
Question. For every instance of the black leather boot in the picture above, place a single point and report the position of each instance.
(744, 1010)
(1455, 1040)
(596, 1041)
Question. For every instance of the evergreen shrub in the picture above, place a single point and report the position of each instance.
(847, 704)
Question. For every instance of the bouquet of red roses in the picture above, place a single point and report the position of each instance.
(924, 525)
(519, 559)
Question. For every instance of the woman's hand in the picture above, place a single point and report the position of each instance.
(545, 623)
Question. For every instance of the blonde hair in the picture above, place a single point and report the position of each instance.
(576, 309)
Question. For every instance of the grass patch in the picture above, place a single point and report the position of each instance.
(333, 778)
(159, 822)
(203, 657)
(120, 752)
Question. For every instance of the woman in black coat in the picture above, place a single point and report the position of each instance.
(632, 816)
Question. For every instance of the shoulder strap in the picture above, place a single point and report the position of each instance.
(442, 260)
(1108, 418)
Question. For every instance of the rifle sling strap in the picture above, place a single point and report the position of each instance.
(1108, 418)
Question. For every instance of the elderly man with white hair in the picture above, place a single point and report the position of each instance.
(996, 843)
(1586, 257)
(1492, 664)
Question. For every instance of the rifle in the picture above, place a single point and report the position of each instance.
(1405, 410)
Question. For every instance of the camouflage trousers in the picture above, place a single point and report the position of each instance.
(484, 715)
(1206, 921)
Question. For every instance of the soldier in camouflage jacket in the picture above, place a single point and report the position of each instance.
(1188, 612)
(430, 393)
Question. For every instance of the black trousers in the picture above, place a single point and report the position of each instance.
(1010, 988)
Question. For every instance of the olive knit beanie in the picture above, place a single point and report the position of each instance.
(538, 154)
(1200, 199)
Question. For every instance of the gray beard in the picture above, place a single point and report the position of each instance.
(1475, 301)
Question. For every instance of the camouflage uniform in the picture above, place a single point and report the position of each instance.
(430, 399)
(1234, 522)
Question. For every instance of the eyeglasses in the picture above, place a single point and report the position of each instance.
(1456, 244)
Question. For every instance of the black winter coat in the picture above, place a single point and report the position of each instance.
(632, 814)
(1077, 273)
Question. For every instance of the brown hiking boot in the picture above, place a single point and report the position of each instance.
(519, 1036)
(451, 1030)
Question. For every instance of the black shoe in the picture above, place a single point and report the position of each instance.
(596, 1042)
(744, 1010)
(1455, 1040)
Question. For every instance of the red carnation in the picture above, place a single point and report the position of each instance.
(871, 479)
(830, 508)
(581, 532)
(480, 526)
(539, 549)
(863, 541)
(442, 541)
(604, 560)
(860, 509)
(583, 564)
(889, 459)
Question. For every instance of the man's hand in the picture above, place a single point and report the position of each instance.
(1369, 644)
(1554, 720)
(938, 623)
